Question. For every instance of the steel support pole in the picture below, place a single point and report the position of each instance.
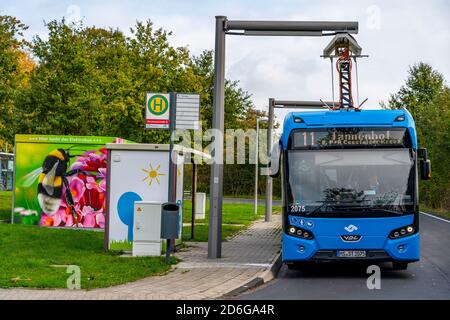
(172, 169)
(216, 183)
(298, 26)
(172, 165)
(193, 193)
(302, 104)
(256, 166)
(269, 181)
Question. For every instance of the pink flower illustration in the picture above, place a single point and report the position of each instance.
(46, 220)
(91, 183)
(70, 221)
(79, 164)
(60, 216)
(100, 219)
(77, 188)
(88, 217)
(101, 173)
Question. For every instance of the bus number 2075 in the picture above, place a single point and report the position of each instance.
(297, 208)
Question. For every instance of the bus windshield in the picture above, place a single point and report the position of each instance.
(350, 182)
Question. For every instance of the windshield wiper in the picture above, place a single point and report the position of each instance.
(325, 203)
(371, 209)
(385, 210)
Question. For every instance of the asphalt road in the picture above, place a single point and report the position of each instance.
(427, 279)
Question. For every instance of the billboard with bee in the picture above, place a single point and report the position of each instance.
(60, 181)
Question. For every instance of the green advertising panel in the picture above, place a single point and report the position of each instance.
(60, 181)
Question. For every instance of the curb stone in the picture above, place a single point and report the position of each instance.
(263, 278)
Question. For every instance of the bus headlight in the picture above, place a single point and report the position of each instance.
(300, 233)
(402, 232)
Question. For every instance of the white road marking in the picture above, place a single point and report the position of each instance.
(433, 216)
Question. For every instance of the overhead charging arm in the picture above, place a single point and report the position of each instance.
(294, 104)
(344, 47)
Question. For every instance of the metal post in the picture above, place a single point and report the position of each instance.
(216, 185)
(14, 181)
(269, 182)
(332, 80)
(357, 82)
(172, 168)
(256, 166)
(172, 164)
(194, 191)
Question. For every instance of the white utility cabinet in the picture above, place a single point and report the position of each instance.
(136, 172)
(147, 228)
(200, 205)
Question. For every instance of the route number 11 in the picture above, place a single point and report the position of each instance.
(305, 138)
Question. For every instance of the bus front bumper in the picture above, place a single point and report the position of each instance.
(405, 249)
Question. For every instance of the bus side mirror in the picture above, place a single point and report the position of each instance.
(425, 169)
(274, 164)
(422, 153)
(425, 164)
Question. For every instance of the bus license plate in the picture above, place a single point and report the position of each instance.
(351, 254)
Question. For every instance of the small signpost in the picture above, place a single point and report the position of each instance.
(173, 111)
(187, 112)
(157, 111)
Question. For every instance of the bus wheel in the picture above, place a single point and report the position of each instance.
(399, 265)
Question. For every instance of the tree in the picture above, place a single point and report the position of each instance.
(427, 97)
(15, 69)
(93, 81)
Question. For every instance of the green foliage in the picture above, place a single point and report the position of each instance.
(92, 81)
(427, 97)
(15, 67)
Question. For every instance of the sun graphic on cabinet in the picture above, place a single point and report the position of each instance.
(152, 174)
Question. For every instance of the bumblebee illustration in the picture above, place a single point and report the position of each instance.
(52, 177)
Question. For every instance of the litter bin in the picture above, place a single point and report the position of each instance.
(170, 220)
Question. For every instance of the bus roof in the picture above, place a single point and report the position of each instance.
(352, 118)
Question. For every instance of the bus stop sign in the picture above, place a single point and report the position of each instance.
(157, 111)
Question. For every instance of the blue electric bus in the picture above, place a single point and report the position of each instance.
(350, 186)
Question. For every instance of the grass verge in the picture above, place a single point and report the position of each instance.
(31, 256)
(5, 205)
(35, 257)
(439, 212)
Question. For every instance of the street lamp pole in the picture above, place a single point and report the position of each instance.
(256, 166)
(258, 120)
(269, 182)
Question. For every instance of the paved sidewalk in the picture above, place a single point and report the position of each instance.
(245, 257)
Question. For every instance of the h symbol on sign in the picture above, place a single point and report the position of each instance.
(158, 104)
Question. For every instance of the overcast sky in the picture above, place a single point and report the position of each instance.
(395, 33)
